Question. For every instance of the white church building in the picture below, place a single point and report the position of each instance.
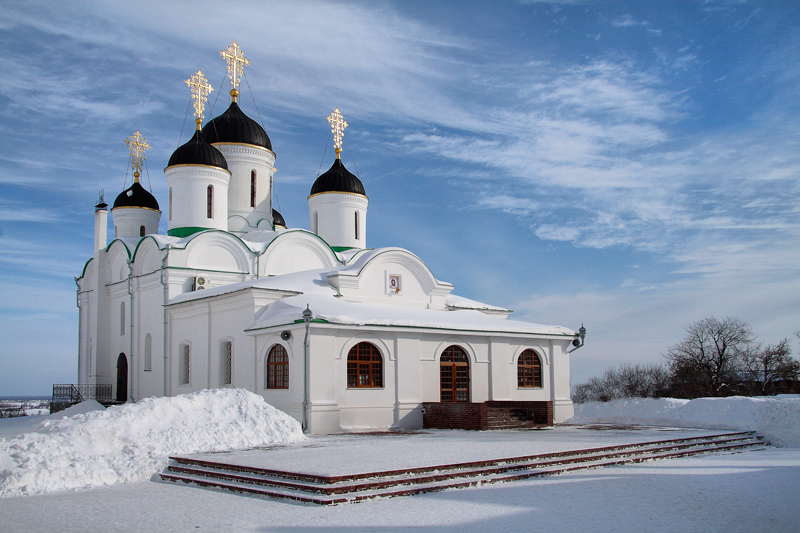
(341, 336)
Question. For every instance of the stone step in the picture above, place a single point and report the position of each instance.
(416, 485)
(337, 489)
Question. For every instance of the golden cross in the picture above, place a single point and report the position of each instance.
(137, 145)
(234, 56)
(200, 88)
(337, 129)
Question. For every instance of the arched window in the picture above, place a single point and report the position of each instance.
(116, 232)
(277, 368)
(252, 188)
(315, 229)
(186, 364)
(141, 231)
(454, 375)
(210, 202)
(364, 366)
(122, 318)
(356, 225)
(227, 362)
(529, 370)
(170, 203)
(148, 353)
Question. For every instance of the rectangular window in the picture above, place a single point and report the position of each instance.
(227, 363)
(186, 361)
(122, 318)
(252, 188)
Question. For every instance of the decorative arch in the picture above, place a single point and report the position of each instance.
(146, 256)
(461, 343)
(218, 250)
(118, 255)
(364, 366)
(296, 251)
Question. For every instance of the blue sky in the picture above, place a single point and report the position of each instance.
(632, 166)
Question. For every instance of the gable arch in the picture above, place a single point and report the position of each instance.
(538, 350)
(218, 250)
(117, 261)
(373, 276)
(296, 251)
(147, 257)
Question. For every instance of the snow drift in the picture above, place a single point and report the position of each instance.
(777, 418)
(131, 442)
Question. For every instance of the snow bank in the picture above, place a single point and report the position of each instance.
(778, 419)
(131, 442)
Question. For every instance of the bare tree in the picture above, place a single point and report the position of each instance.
(773, 363)
(627, 381)
(706, 361)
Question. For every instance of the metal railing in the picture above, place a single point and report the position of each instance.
(67, 392)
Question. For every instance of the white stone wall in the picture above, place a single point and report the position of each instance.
(333, 217)
(242, 159)
(189, 188)
(128, 221)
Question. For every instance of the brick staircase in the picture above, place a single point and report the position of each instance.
(328, 490)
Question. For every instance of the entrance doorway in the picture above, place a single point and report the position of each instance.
(122, 378)
(454, 375)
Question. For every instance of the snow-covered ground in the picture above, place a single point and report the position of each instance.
(87, 445)
(776, 418)
(753, 491)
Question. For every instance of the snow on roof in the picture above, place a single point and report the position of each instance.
(312, 288)
(337, 311)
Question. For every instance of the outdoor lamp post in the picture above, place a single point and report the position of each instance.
(307, 316)
(578, 341)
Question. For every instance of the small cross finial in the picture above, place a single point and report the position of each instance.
(337, 129)
(200, 88)
(137, 145)
(234, 56)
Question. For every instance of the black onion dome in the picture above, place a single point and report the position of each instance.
(198, 152)
(338, 179)
(136, 196)
(233, 126)
(277, 219)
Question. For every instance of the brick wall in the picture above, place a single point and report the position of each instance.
(487, 415)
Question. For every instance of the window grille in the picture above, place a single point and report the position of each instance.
(148, 353)
(277, 368)
(529, 370)
(364, 366)
(227, 363)
(454, 375)
(210, 202)
(186, 364)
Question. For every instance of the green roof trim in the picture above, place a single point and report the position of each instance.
(342, 248)
(185, 231)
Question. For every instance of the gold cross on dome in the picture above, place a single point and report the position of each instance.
(337, 129)
(200, 88)
(234, 56)
(137, 145)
